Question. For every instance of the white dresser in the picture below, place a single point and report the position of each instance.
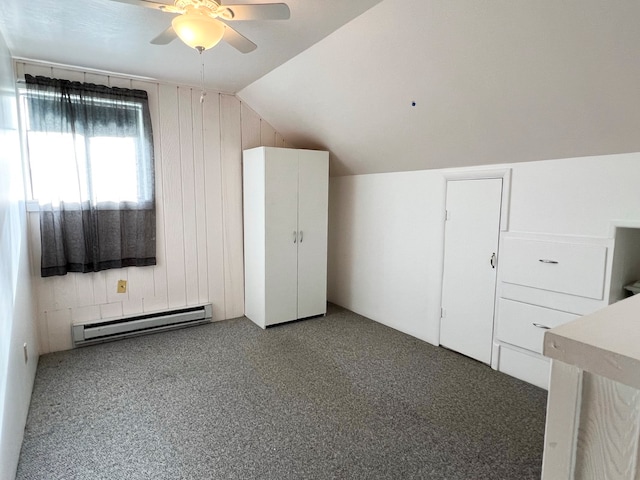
(544, 281)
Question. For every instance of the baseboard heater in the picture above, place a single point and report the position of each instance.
(98, 332)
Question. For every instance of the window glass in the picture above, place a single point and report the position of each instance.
(60, 169)
(114, 173)
(54, 176)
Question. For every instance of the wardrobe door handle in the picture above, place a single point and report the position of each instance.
(539, 325)
(492, 261)
(295, 236)
(301, 236)
(545, 260)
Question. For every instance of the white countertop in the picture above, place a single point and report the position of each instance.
(606, 342)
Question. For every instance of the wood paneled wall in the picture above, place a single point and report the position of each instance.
(198, 157)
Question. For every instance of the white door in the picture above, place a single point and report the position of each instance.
(469, 282)
(281, 236)
(313, 182)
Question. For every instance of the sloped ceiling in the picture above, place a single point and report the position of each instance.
(111, 36)
(493, 81)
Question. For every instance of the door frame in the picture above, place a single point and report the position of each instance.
(498, 173)
(503, 173)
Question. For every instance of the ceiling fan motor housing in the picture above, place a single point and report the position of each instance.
(201, 24)
(208, 7)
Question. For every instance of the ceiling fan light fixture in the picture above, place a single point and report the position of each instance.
(198, 30)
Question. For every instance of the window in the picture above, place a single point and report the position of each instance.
(109, 166)
(90, 154)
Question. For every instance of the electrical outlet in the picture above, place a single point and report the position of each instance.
(122, 286)
(26, 353)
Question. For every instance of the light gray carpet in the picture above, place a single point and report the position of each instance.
(336, 397)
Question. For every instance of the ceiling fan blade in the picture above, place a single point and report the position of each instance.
(155, 5)
(238, 41)
(264, 11)
(168, 36)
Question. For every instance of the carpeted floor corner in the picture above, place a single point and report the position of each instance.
(335, 397)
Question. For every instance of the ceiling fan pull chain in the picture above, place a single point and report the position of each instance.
(202, 91)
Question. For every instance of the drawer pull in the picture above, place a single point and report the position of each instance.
(544, 260)
(539, 325)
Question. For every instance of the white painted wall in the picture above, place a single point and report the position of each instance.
(386, 230)
(493, 82)
(17, 312)
(198, 154)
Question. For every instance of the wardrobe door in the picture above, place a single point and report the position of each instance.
(313, 189)
(281, 235)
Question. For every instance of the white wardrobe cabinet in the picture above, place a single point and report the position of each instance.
(285, 233)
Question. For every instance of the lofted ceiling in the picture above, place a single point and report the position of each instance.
(493, 81)
(106, 35)
(389, 85)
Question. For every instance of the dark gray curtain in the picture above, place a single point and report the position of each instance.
(85, 230)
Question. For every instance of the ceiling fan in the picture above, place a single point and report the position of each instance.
(201, 24)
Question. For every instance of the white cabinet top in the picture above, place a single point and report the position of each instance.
(606, 342)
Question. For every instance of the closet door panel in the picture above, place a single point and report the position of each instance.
(281, 213)
(313, 185)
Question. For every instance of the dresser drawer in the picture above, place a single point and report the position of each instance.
(517, 323)
(576, 269)
(528, 367)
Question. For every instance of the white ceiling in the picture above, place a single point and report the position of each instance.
(494, 81)
(112, 36)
